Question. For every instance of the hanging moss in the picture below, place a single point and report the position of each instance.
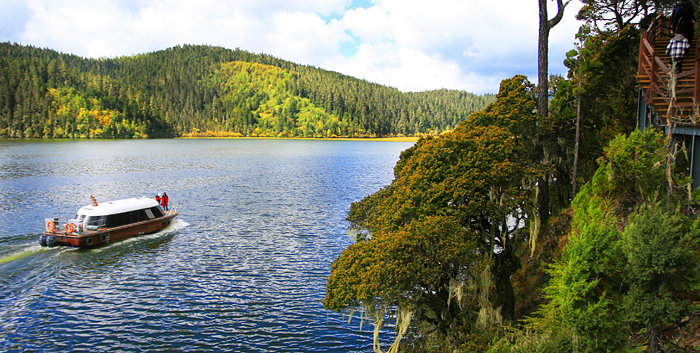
(456, 290)
(403, 320)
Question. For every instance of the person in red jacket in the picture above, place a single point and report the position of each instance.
(159, 199)
(165, 201)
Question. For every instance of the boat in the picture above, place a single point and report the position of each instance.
(108, 222)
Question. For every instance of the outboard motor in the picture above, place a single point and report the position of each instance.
(51, 241)
(42, 240)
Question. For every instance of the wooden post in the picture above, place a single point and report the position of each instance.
(640, 65)
(696, 91)
(652, 73)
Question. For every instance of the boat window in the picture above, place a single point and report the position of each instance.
(157, 211)
(138, 216)
(149, 214)
(111, 220)
(95, 221)
(123, 218)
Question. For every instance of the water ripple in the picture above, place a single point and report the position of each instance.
(243, 269)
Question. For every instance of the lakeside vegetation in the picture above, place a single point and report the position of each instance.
(482, 242)
(208, 91)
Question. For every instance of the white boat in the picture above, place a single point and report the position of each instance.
(100, 224)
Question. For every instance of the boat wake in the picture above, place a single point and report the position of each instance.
(174, 227)
(29, 250)
(22, 253)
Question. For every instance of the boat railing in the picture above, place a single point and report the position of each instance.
(172, 207)
(54, 225)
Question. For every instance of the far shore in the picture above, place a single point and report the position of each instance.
(388, 139)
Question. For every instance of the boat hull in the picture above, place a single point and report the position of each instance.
(101, 237)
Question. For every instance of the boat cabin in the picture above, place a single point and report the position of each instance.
(118, 213)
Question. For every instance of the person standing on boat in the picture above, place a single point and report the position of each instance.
(165, 201)
(159, 199)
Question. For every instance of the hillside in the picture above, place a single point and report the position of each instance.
(204, 90)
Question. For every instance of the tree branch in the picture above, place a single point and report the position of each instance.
(560, 13)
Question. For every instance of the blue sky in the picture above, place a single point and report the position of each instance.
(412, 45)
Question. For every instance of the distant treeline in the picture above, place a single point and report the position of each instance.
(204, 90)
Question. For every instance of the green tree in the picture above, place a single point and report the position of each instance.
(625, 264)
(587, 286)
(662, 251)
(614, 15)
(583, 289)
(601, 92)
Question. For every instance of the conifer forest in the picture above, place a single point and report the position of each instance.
(207, 91)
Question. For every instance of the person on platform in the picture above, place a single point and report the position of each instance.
(676, 49)
(683, 19)
(159, 199)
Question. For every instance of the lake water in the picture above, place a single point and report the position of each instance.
(242, 269)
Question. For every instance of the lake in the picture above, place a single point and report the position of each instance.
(242, 269)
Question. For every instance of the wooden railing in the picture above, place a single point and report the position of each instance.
(655, 70)
(696, 67)
(654, 75)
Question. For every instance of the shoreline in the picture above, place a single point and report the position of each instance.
(384, 139)
(378, 139)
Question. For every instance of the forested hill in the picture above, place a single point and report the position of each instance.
(204, 90)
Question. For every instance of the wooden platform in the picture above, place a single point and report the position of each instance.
(656, 82)
(668, 99)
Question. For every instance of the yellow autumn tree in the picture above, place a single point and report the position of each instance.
(440, 241)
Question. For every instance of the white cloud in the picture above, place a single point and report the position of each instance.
(468, 45)
(304, 37)
(369, 24)
(409, 44)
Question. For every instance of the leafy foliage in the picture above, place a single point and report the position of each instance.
(445, 230)
(616, 14)
(620, 266)
(262, 93)
(602, 73)
(629, 262)
(662, 257)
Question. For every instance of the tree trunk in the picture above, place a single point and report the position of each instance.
(543, 87)
(543, 198)
(543, 54)
(543, 61)
(655, 344)
(576, 146)
(505, 264)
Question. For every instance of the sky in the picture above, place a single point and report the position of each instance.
(413, 45)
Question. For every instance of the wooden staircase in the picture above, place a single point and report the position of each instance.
(668, 100)
(654, 77)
